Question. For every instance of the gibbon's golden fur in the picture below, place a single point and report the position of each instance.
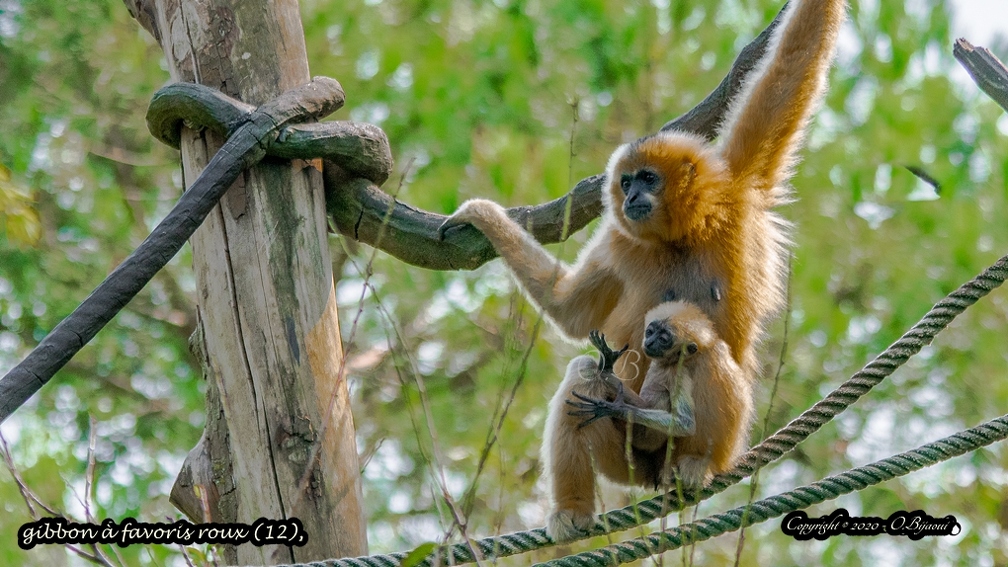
(693, 391)
(684, 219)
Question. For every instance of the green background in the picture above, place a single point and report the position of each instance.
(513, 101)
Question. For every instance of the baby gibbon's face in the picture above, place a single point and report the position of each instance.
(662, 342)
(675, 331)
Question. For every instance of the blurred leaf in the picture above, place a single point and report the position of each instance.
(417, 556)
(18, 220)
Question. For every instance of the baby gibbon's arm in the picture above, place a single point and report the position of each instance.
(680, 424)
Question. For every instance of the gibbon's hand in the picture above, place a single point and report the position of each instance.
(607, 356)
(471, 212)
(449, 223)
(593, 409)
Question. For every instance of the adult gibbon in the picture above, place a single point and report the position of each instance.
(684, 219)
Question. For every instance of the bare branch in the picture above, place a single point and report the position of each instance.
(987, 71)
(358, 208)
(704, 118)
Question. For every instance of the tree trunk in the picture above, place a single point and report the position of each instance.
(279, 439)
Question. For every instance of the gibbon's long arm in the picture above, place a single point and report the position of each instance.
(680, 424)
(655, 429)
(577, 299)
(764, 127)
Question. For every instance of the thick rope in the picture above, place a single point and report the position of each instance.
(359, 149)
(766, 452)
(250, 139)
(827, 489)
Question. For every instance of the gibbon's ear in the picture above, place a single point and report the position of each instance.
(692, 348)
(683, 176)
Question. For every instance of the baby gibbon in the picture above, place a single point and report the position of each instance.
(693, 391)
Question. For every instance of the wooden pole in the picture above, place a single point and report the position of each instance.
(268, 332)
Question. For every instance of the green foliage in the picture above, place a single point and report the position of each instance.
(18, 220)
(482, 99)
(87, 184)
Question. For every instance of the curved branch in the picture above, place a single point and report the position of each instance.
(362, 211)
(704, 118)
(359, 148)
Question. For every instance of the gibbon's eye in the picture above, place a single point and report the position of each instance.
(649, 331)
(691, 348)
(648, 177)
(625, 183)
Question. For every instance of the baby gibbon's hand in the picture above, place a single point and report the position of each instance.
(592, 409)
(607, 356)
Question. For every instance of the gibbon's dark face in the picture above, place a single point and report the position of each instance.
(660, 341)
(664, 187)
(638, 189)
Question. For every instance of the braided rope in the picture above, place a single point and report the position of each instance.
(827, 489)
(766, 452)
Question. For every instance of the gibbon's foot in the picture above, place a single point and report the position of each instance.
(607, 356)
(473, 209)
(693, 472)
(564, 525)
(592, 409)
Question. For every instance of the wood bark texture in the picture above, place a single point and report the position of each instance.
(279, 440)
(989, 73)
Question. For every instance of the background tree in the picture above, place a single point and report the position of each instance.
(516, 102)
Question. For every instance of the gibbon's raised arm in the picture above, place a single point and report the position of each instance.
(765, 126)
(576, 298)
